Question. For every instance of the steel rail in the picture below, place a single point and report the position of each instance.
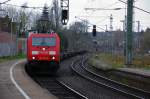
(103, 84)
(115, 82)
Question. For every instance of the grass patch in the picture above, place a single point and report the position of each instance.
(99, 64)
(7, 58)
(114, 60)
(117, 61)
(105, 61)
(142, 62)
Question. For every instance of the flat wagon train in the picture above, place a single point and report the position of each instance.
(43, 51)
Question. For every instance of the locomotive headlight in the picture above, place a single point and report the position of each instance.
(52, 52)
(33, 57)
(35, 52)
(53, 57)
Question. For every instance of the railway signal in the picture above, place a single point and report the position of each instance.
(94, 30)
(65, 11)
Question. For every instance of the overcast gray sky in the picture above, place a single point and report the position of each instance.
(101, 17)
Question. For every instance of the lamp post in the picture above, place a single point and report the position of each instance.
(11, 30)
(13, 19)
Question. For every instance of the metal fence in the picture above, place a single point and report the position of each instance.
(8, 49)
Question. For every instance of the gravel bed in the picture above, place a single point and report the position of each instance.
(90, 90)
(84, 86)
(116, 85)
(131, 80)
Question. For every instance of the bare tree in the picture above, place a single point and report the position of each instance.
(43, 23)
(24, 17)
(34, 17)
(56, 15)
(79, 27)
(12, 12)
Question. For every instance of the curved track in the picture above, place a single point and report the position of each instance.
(131, 92)
(56, 87)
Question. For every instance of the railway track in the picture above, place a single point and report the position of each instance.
(56, 87)
(133, 93)
(102, 75)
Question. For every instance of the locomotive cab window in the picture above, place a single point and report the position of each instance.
(43, 41)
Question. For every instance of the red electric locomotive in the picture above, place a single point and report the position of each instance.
(44, 48)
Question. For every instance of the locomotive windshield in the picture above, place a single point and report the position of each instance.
(43, 41)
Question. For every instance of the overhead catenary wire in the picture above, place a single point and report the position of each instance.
(5, 2)
(102, 20)
(24, 6)
(90, 23)
(136, 7)
(108, 6)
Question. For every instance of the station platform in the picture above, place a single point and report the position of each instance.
(16, 84)
(140, 72)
